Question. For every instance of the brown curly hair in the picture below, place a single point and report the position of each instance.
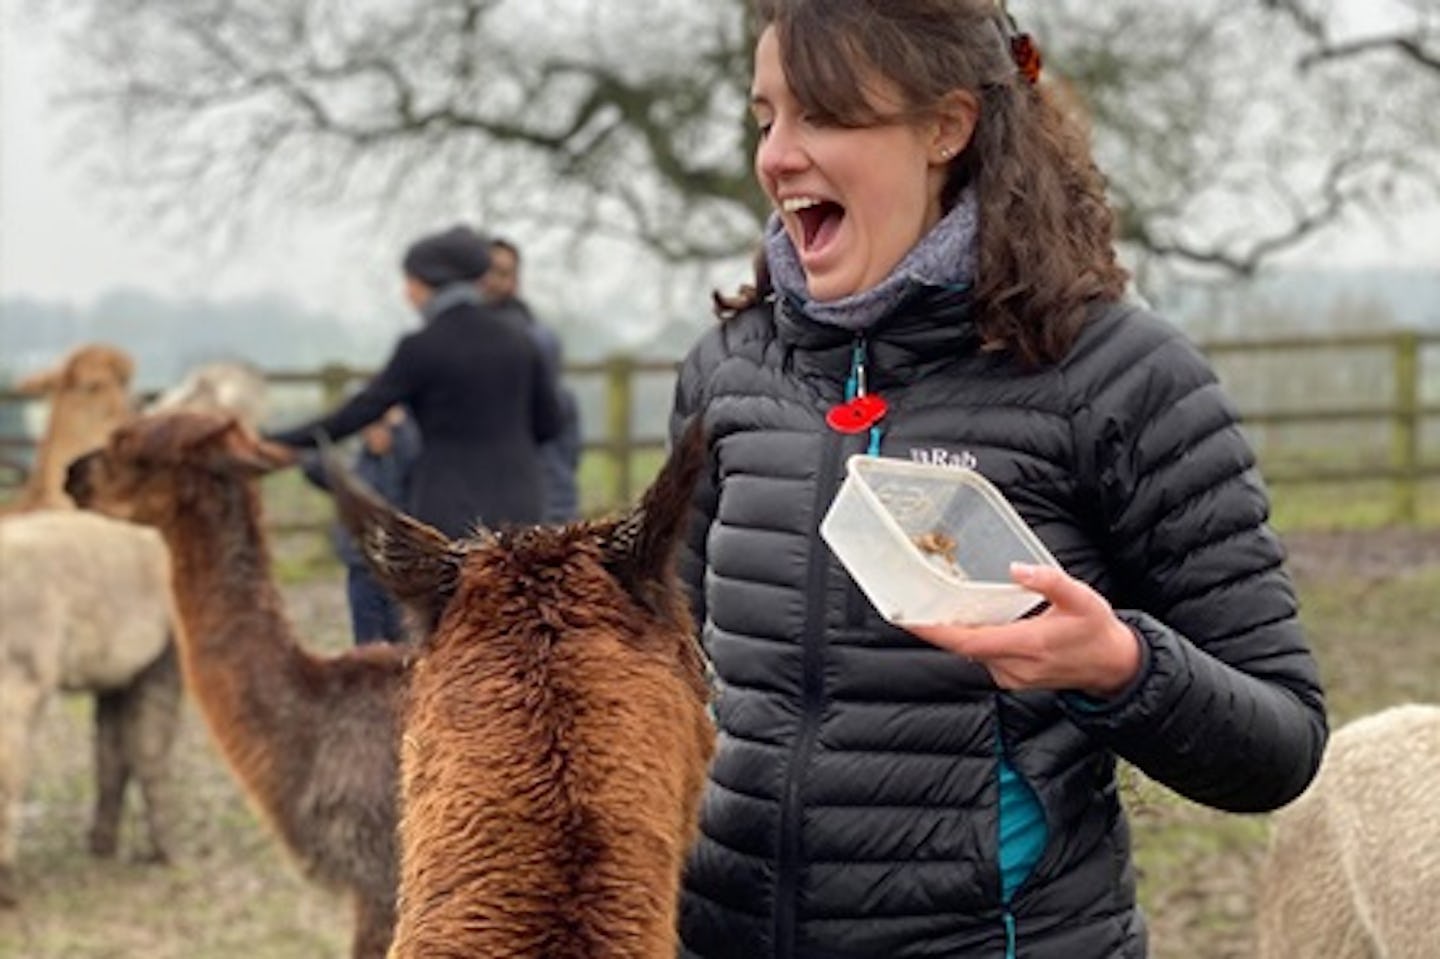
(1046, 243)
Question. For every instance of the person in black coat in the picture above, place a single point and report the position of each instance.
(477, 387)
(939, 285)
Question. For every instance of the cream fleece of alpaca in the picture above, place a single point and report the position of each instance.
(84, 599)
(84, 605)
(1353, 869)
(224, 386)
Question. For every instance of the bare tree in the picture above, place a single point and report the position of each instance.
(1222, 151)
(1417, 42)
(585, 115)
(1223, 141)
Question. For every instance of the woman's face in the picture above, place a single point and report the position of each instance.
(854, 200)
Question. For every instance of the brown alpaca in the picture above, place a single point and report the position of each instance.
(311, 739)
(89, 393)
(556, 733)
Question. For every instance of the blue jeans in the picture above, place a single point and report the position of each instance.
(374, 616)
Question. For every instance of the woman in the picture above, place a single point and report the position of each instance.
(476, 386)
(941, 241)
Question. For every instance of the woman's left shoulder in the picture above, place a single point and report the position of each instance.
(1130, 324)
(1126, 340)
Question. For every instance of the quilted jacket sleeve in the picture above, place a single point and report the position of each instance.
(1229, 710)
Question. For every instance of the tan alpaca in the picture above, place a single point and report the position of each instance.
(1353, 869)
(311, 739)
(556, 732)
(89, 395)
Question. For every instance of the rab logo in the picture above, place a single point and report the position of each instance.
(939, 456)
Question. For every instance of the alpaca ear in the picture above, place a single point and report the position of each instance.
(123, 367)
(641, 548)
(172, 437)
(39, 384)
(247, 452)
(415, 563)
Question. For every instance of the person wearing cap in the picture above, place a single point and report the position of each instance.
(478, 388)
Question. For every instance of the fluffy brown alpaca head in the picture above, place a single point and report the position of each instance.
(632, 554)
(556, 735)
(137, 473)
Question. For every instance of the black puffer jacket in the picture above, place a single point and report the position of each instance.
(852, 807)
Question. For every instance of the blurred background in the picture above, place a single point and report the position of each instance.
(197, 180)
(235, 180)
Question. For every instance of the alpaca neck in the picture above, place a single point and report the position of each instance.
(223, 586)
(239, 654)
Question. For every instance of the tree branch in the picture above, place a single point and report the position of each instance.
(1407, 46)
(1410, 46)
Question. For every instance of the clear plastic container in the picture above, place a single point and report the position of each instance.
(931, 544)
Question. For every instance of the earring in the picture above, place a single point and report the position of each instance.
(946, 153)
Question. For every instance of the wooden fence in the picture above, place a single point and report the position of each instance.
(1397, 397)
(1365, 381)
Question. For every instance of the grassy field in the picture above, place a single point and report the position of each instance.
(1368, 603)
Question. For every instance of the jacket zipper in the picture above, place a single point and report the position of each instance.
(812, 695)
(855, 602)
(1002, 756)
(812, 699)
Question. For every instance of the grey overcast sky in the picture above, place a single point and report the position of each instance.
(61, 237)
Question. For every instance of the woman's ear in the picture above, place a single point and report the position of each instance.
(954, 124)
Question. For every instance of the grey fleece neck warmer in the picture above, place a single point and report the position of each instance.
(450, 295)
(946, 256)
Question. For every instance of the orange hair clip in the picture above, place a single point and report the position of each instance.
(1027, 56)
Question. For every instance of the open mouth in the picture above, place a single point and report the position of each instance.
(819, 221)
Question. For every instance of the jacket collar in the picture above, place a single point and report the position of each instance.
(929, 329)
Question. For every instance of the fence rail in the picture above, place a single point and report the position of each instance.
(1404, 409)
(617, 421)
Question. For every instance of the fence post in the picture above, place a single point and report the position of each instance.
(333, 377)
(1405, 438)
(619, 376)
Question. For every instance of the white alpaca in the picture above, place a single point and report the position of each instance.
(224, 386)
(1353, 870)
(85, 605)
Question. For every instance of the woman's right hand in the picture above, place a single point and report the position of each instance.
(1077, 643)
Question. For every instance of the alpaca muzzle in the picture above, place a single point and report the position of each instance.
(77, 479)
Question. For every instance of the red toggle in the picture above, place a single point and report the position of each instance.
(857, 415)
